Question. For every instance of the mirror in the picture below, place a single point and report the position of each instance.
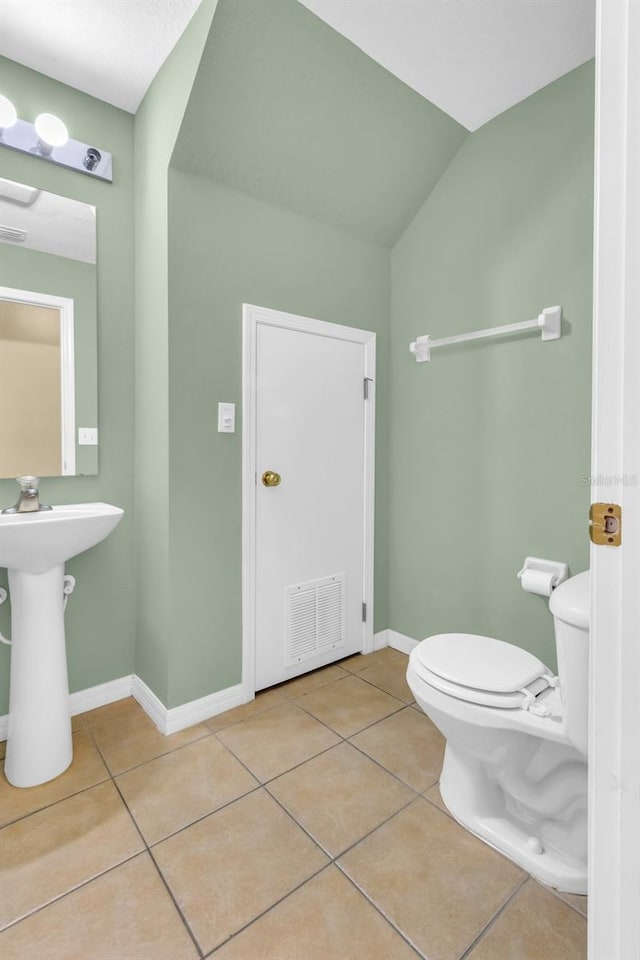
(48, 333)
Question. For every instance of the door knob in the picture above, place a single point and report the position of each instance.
(270, 478)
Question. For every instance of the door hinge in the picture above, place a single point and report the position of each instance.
(364, 613)
(367, 381)
(605, 524)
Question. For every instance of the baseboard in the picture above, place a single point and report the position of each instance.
(89, 699)
(205, 707)
(399, 641)
(381, 639)
(99, 696)
(187, 714)
(167, 721)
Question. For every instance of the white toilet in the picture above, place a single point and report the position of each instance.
(515, 764)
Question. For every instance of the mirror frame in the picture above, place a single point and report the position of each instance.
(67, 366)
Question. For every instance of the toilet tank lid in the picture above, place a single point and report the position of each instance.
(480, 662)
(570, 601)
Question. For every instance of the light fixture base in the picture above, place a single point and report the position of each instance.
(22, 136)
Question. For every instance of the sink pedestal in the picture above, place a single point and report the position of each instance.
(39, 741)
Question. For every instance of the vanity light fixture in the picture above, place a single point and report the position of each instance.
(51, 133)
(8, 115)
(48, 138)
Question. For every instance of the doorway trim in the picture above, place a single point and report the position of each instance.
(67, 367)
(252, 316)
(614, 735)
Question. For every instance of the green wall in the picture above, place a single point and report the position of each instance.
(287, 110)
(157, 124)
(489, 441)
(100, 615)
(44, 273)
(226, 249)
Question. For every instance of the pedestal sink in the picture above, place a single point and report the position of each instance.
(34, 547)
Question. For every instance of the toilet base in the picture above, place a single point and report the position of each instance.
(547, 864)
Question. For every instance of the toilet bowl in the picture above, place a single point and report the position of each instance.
(515, 764)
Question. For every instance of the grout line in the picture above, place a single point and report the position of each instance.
(567, 903)
(312, 876)
(67, 893)
(494, 919)
(54, 803)
(387, 919)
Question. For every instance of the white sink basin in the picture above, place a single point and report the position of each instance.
(36, 542)
(34, 547)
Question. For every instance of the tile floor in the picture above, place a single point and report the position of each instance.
(306, 825)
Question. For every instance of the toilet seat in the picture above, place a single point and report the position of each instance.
(482, 670)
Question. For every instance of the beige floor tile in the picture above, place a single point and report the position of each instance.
(125, 914)
(263, 701)
(408, 745)
(171, 792)
(236, 863)
(433, 794)
(277, 740)
(56, 849)
(353, 664)
(340, 796)
(387, 657)
(434, 880)
(312, 681)
(349, 705)
(325, 919)
(111, 711)
(86, 769)
(388, 671)
(132, 738)
(577, 901)
(535, 924)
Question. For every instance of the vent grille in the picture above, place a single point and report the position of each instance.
(314, 618)
(12, 234)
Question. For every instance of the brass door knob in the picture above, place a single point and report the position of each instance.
(270, 478)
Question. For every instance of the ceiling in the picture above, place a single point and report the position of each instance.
(53, 224)
(472, 58)
(110, 49)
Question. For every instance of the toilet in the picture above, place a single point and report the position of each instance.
(515, 763)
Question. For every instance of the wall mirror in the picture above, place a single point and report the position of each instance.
(48, 333)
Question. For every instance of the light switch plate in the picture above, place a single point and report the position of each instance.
(87, 436)
(226, 418)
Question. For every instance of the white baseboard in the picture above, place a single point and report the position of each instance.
(399, 641)
(167, 721)
(99, 696)
(89, 699)
(381, 639)
(178, 718)
(205, 707)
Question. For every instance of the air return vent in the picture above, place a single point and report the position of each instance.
(314, 618)
(12, 234)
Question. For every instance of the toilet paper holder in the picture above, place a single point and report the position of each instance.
(556, 571)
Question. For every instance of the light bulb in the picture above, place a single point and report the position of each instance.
(51, 132)
(8, 115)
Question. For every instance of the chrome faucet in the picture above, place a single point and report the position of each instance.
(29, 499)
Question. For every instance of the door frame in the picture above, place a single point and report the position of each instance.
(252, 316)
(614, 740)
(67, 367)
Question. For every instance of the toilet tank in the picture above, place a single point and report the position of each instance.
(570, 607)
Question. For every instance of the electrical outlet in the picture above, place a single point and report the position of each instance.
(88, 436)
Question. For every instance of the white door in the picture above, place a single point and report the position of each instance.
(313, 492)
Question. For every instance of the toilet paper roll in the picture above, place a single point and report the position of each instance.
(537, 581)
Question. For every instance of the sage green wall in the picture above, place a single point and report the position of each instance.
(226, 249)
(157, 123)
(44, 273)
(288, 111)
(100, 615)
(489, 441)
